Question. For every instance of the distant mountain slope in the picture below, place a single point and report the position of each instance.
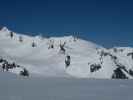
(46, 57)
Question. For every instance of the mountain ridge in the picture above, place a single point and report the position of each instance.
(46, 57)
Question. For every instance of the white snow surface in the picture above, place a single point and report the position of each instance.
(41, 61)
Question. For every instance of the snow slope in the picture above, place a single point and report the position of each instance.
(13, 87)
(88, 60)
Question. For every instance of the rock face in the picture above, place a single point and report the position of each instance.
(7, 66)
(46, 57)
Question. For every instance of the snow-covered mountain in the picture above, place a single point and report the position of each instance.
(48, 57)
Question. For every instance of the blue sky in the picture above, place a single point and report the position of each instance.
(105, 22)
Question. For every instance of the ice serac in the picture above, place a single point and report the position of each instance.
(44, 57)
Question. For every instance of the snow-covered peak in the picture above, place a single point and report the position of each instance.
(5, 29)
(64, 56)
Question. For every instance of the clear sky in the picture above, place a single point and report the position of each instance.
(105, 22)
